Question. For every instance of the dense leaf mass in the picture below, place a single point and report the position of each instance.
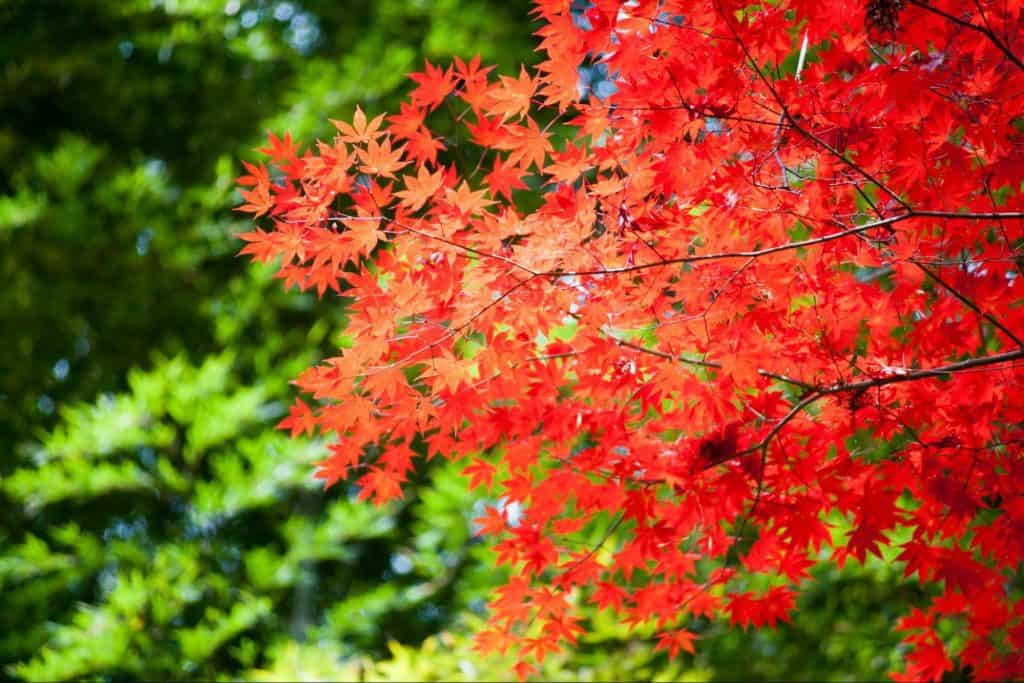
(716, 291)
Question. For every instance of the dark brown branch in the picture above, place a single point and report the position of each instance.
(718, 256)
(910, 375)
(713, 365)
(454, 332)
(762, 445)
(449, 242)
(737, 254)
(789, 245)
(795, 125)
(970, 304)
(986, 31)
(693, 109)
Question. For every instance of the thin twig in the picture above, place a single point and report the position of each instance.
(921, 4)
(711, 364)
(970, 304)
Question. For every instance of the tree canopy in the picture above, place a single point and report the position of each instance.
(714, 292)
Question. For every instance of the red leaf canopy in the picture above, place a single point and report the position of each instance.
(725, 285)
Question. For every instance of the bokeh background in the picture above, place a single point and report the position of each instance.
(153, 523)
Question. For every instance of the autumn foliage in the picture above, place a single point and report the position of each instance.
(751, 303)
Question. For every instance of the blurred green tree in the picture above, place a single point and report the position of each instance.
(179, 536)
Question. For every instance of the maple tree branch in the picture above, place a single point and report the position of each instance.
(553, 356)
(972, 216)
(612, 108)
(693, 109)
(913, 213)
(612, 528)
(442, 239)
(717, 293)
(923, 373)
(760, 488)
(864, 385)
(737, 254)
(788, 116)
(469, 249)
(758, 495)
(762, 445)
(921, 266)
(984, 30)
(455, 331)
(711, 364)
(817, 392)
(841, 157)
(717, 256)
(970, 304)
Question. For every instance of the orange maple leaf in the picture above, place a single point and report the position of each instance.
(360, 131)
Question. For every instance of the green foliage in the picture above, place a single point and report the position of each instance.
(450, 657)
(202, 539)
